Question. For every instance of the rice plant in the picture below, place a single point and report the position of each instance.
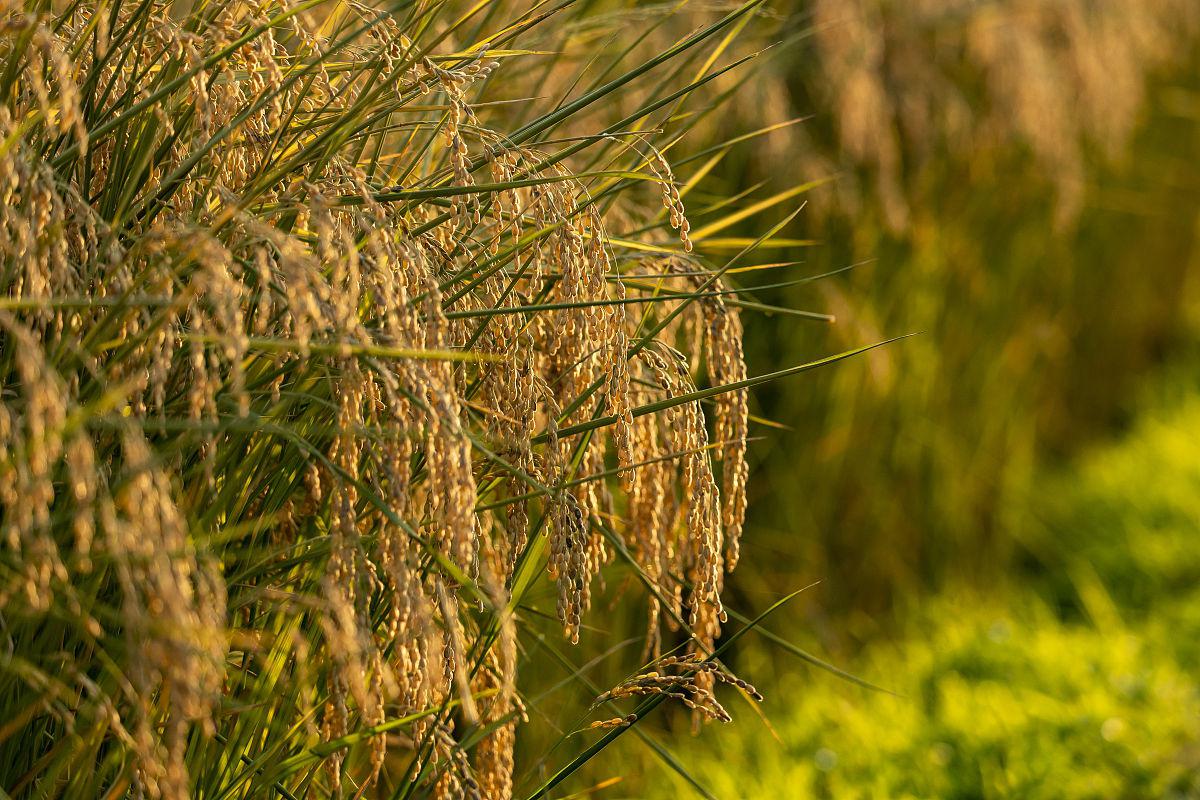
(319, 343)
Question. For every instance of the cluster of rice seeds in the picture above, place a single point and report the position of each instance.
(454, 84)
(678, 540)
(553, 358)
(349, 575)
(457, 780)
(173, 616)
(218, 314)
(671, 199)
(32, 441)
(689, 679)
(725, 364)
(687, 435)
(426, 393)
(512, 392)
(653, 508)
(28, 209)
(410, 621)
(502, 711)
(172, 599)
(613, 722)
(710, 519)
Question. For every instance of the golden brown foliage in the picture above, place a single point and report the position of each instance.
(223, 273)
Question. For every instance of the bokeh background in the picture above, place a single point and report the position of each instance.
(1000, 513)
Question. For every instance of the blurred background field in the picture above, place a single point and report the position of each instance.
(1001, 513)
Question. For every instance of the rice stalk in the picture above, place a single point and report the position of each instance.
(311, 357)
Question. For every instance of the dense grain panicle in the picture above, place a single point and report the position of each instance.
(296, 405)
(688, 680)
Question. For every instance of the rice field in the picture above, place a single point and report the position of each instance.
(494, 399)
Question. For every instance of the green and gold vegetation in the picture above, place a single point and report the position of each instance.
(342, 346)
(1075, 679)
(389, 391)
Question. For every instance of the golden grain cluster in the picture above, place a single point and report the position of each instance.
(301, 362)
